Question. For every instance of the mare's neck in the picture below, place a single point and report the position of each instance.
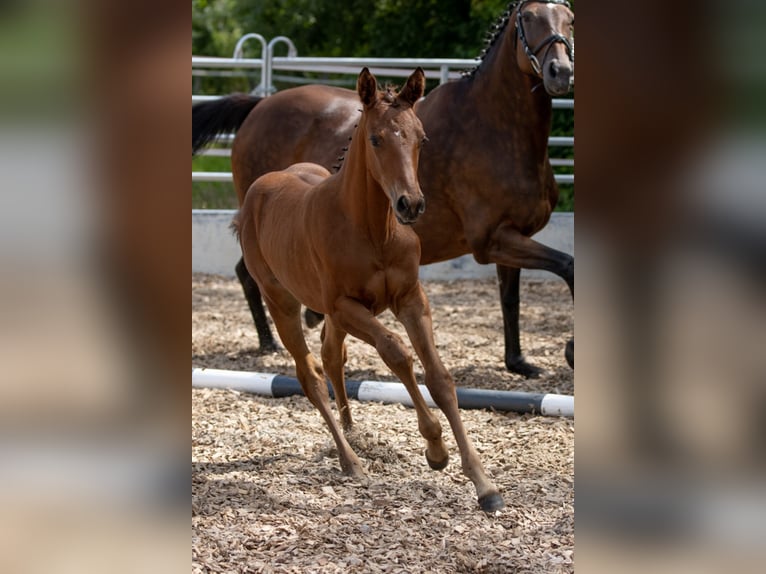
(363, 200)
(504, 94)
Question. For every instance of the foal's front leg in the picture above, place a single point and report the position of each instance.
(356, 319)
(285, 310)
(334, 360)
(415, 314)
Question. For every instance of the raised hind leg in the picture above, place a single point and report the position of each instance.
(357, 320)
(415, 314)
(334, 360)
(286, 313)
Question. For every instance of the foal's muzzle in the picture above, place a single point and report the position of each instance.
(407, 212)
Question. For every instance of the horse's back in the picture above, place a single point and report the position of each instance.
(310, 173)
(304, 124)
(282, 194)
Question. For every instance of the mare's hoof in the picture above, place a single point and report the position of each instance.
(520, 366)
(440, 465)
(268, 348)
(569, 352)
(491, 502)
(312, 318)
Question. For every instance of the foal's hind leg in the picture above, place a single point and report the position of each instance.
(333, 360)
(253, 296)
(415, 315)
(286, 312)
(356, 319)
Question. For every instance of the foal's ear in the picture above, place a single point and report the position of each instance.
(367, 87)
(414, 88)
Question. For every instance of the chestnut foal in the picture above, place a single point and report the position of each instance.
(342, 244)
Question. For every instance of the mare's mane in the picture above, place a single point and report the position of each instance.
(494, 33)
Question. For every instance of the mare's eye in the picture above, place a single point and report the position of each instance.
(375, 140)
(526, 16)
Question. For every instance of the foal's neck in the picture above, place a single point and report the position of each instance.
(363, 199)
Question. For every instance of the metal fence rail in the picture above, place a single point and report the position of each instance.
(443, 69)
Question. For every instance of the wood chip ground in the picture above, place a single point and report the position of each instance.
(267, 491)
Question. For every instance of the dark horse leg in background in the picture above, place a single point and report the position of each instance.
(515, 362)
(509, 302)
(255, 302)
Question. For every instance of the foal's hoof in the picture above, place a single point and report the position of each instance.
(312, 318)
(569, 352)
(440, 465)
(491, 502)
(520, 366)
(353, 469)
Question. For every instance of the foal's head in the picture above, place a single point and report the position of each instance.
(544, 43)
(392, 136)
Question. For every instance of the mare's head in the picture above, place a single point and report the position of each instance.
(544, 42)
(393, 135)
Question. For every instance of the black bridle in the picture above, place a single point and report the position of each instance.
(547, 43)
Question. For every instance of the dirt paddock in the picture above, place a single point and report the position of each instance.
(267, 491)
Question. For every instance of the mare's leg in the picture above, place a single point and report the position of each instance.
(356, 319)
(333, 360)
(286, 312)
(509, 303)
(415, 314)
(507, 246)
(313, 318)
(253, 296)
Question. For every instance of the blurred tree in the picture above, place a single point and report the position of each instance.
(384, 28)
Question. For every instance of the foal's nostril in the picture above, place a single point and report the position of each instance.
(553, 69)
(402, 205)
(421, 206)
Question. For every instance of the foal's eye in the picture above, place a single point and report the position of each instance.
(375, 140)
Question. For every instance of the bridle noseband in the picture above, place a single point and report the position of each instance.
(547, 43)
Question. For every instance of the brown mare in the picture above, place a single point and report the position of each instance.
(341, 244)
(486, 176)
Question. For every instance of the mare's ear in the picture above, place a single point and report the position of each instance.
(414, 88)
(367, 87)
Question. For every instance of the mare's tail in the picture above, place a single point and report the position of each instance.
(210, 119)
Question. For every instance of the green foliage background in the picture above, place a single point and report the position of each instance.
(359, 28)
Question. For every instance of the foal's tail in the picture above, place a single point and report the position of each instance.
(210, 119)
(236, 224)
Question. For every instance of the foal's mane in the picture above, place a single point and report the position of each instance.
(389, 95)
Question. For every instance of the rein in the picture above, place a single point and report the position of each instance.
(547, 43)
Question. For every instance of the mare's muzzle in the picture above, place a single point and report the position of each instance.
(558, 77)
